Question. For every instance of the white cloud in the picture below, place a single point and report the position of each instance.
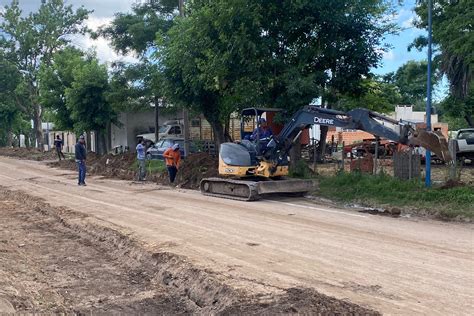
(408, 23)
(103, 13)
(104, 51)
(389, 56)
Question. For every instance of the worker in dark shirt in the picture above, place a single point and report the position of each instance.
(58, 143)
(261, 136)
(81, 154)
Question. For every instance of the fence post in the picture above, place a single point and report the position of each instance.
(452, 146)
(376, 154)
(410, 163)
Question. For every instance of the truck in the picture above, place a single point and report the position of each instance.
(173, 128)
(465, 140)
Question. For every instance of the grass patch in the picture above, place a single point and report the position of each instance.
(383, 189)
(152, 166)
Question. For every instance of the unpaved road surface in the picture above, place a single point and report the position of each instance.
(392, 265)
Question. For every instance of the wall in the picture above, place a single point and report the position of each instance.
(348, 137)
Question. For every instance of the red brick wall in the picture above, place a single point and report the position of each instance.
(348, 137)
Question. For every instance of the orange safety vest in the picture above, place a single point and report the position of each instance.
(172, 157)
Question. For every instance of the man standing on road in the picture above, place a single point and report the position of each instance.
(173, 158)
(81, 153)
(58, 143)
(141, 160)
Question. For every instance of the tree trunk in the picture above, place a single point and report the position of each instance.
(218, 130)
(108, 137)
(470, 120)
(10, 138)
(227, 136)
(295, 153)
(37, 127)
(89, 141)
(157, 119)
(101, 143)
(321, 150)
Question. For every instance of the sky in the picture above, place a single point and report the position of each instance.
(104, 11)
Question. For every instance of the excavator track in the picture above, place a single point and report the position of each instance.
(245, 190)
(230, 189)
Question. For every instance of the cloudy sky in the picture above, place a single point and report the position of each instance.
(105, 9)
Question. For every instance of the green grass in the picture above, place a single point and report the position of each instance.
(386, 190)
(152, 166)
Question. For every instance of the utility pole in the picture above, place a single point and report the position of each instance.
(185, 110)
(428, 99)
(157, 116)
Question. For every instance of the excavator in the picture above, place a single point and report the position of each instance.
(250, 169)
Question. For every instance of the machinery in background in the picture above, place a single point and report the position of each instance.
(250, 169)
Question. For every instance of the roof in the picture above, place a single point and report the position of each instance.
(260, 111)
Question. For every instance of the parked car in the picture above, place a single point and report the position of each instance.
(156, 151)
(465, 139)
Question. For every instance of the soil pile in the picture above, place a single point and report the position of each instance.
(28, 153)
(111, 166)
(195, 168)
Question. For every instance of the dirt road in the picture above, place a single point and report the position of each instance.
(396, 266)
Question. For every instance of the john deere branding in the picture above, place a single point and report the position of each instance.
(320, 120)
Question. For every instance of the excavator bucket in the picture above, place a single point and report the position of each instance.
(432, 141)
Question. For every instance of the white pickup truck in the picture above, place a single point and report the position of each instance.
(465, 139)
(169, 129)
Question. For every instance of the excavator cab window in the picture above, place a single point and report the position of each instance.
(252, 122)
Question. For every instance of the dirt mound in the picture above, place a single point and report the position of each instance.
(28, 153)
(452, 184)
(195, 168)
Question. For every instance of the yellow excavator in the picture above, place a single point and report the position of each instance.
(250, 169)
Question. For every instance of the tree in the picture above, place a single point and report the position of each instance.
(452, 35)
(410, 79)
(86, 99)
(54, 79)
(377, 95)
(211, 62)
(11, 100)
(135, 32)
(29, 41)
(228, 54)
(137, 86)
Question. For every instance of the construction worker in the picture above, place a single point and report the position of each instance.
(262, 132)
(172, 158)
(58, 143)
(141, 160)
(261, 135)
(81, 154)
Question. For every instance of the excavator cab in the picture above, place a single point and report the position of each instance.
(251, 123)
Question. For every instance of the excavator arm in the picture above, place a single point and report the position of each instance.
(361, 119)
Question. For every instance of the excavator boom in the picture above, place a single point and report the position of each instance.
(247, 161)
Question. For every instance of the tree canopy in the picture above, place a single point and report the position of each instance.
(228, 54)
(452, 34)
(29, 41)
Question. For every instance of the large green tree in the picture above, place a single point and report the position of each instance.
(410, 79)
(454, 40)
(28, 41)
(377, 95)
(87, 102)
(135, 87)
(228, 54)
(10, 110)
(54, 79)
